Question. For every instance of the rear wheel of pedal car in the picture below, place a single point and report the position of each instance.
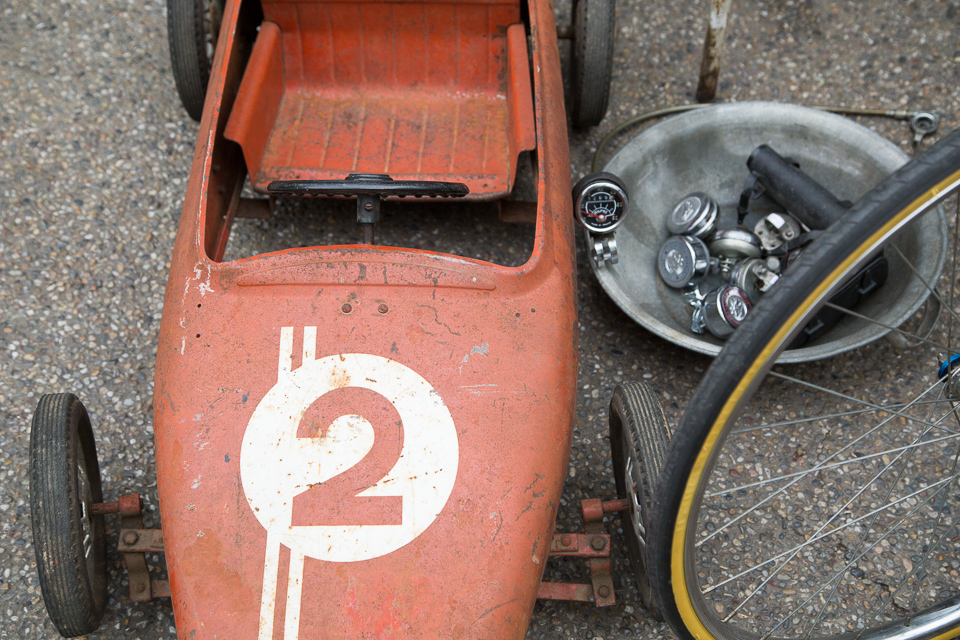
(822, 500)
(193, 27)
(69, 540)
(638, 443)
(591, 60)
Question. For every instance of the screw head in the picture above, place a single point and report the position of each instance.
(603, 591)
(368, 206)
(566, 541)
(140, 587)
(130, 537)
(347, 307)
(598, 543)
(383, 308)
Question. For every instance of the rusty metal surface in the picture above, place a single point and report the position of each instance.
(515, 212)
(601, 572)
(594, 545)
(140, 541)
(580, 545)
(565, 591)
(104, 508)
(256, 208)
(349, 423)
(138, 573)
(160, 588)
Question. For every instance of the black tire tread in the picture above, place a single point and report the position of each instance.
(594, 23)
(60, 425)
(635, 411)
(188, 53)
(892, 196)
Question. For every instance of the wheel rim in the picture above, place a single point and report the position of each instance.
(212, 17)
(817, 509)
(632, 482)
(85, 495)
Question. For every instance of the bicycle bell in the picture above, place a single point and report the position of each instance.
(695, 215)
(683, 260)
(600, 201)
(735, 244)
(776, 229)
(753, 276)
(724, 309)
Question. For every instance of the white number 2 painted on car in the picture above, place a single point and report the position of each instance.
(277, 466)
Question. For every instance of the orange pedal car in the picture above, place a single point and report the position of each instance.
(358, 440)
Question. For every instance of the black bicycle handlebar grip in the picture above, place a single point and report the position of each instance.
(800, 194)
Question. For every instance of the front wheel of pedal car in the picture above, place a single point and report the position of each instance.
(638, 442)
(69, 540)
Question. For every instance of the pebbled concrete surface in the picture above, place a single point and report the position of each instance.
(94, 155)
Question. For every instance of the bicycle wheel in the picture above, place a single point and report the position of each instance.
(822, 500)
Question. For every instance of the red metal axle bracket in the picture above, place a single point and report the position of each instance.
(594, 545)
(135, 542)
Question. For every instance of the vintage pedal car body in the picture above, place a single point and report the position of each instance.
(368, 441)
(354, 440)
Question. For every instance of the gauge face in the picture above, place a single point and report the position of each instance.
(601, 206)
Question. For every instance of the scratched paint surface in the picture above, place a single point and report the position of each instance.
(392, 465)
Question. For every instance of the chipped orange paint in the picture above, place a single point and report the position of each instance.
(493, 347)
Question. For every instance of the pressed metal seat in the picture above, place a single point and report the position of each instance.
(334, 88)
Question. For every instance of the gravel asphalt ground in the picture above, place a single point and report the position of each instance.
(95, 151)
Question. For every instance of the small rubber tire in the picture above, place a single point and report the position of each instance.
(591, 60)
(69, 541)
(638, 445)
(189, 57)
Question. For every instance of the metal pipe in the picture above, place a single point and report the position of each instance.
(712, 48)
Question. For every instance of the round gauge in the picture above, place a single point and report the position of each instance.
(600, 202)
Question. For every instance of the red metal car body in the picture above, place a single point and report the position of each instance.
(367, 441)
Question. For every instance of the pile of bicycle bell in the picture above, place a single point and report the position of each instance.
(726, 260)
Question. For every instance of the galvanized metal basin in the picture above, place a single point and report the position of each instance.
(706, 150)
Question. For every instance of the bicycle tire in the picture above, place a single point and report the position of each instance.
(719, 564)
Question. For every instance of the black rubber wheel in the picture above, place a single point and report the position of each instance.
(69, 541)
(638, 443)
(192, 29)
(819, 501)
(591, 60)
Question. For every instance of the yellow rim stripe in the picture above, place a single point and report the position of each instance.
(678, 572)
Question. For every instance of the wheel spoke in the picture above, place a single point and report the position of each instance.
(888, 327)
(829, 416)
(816, 538)
(835, 465)
(846, 568)
(868, 404)
(869, 528)
(796, 477)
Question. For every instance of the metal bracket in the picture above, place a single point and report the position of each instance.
(135, 542)
(594, 545)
